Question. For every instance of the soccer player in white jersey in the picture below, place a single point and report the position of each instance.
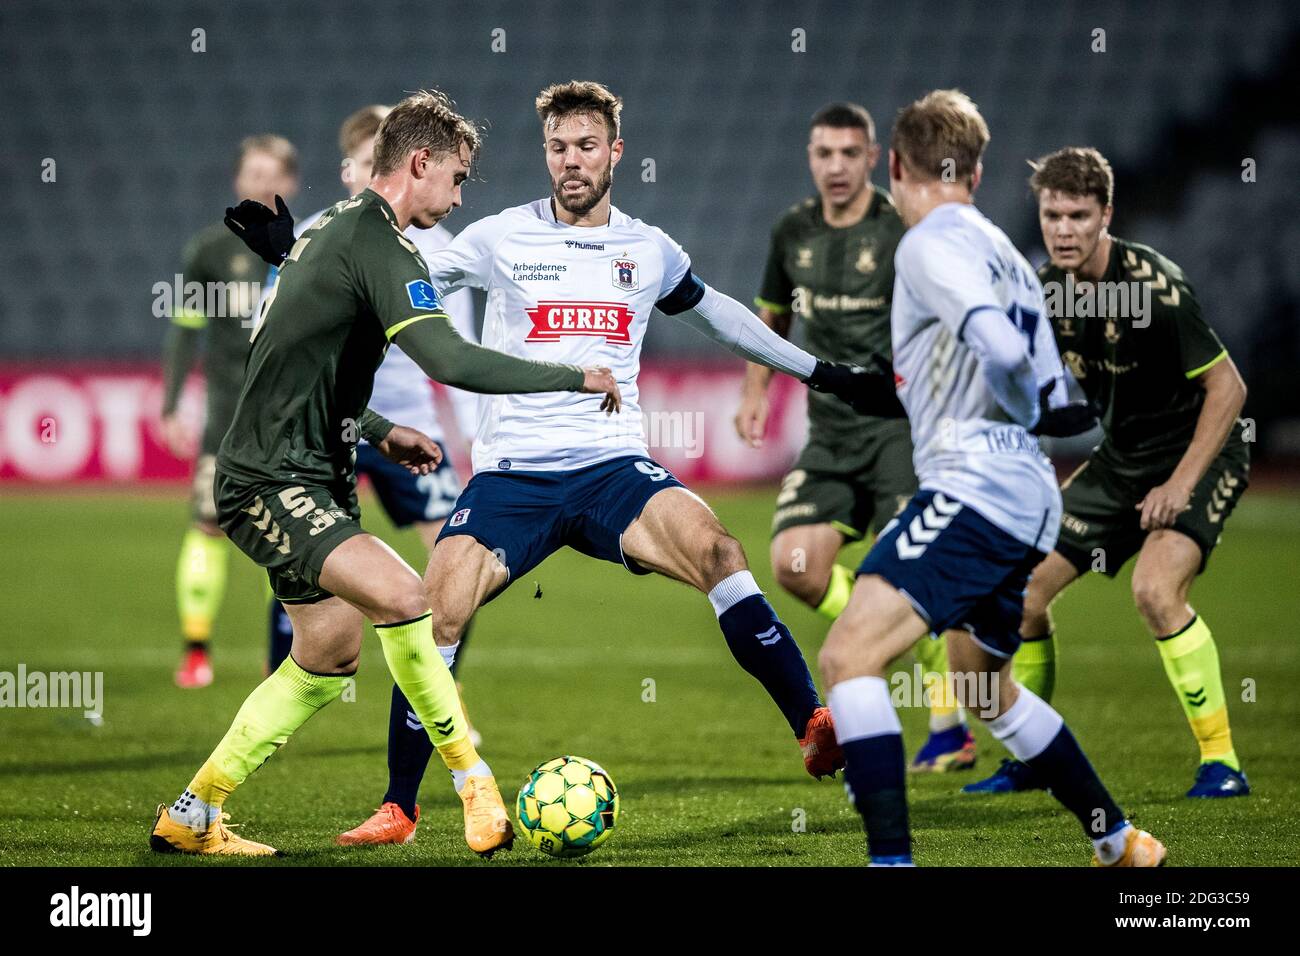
(978, 371)
(402, 393)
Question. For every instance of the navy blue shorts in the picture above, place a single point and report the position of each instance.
(409, 498)
(525, 516)
(957, 568)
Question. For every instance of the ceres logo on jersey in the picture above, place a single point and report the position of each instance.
(552, 320)
(625, 276)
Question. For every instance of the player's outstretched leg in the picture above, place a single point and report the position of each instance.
(330, 640)
(200, 586)
(678, 536)
(1166, 567)
(1037, 735)
(1034, 665)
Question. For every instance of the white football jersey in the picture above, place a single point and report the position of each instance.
(954, 263)
(570, 294)
(402, 392)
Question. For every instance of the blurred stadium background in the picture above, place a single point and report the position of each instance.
(144, 132)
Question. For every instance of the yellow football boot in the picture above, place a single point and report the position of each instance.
(1140, 849)
(487, 826)
(168, 836)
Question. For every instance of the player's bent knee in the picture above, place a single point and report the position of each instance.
(724, 556)
(806, 585)
(406, 604)
(1160, 605)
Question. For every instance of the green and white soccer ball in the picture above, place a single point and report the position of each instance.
(568, 806)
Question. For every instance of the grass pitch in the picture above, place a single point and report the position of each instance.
(629, 671)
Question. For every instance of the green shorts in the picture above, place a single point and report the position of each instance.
(854, 492)
(1101, 526)
(288, 528)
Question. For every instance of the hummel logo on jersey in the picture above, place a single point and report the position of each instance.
(551, 320)
(769, 637)
(925, 527)
(421, 294)
(625, 276)
(445, 727)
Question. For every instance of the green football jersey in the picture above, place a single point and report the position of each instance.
(1138, 368)
(840, 282)
(231, 277)
(351, 283)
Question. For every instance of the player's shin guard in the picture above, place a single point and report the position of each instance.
(762, 645)
(1034, 665)
(940, 693)
(200, 582)
(419, 670)
(272, 712)
(1036, 734)
(280, 637)
(409, 750)
(1192, 663)
(867, 728)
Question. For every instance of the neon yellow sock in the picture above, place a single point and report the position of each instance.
(272, 712)
(1192, 664)
(420, 672)
(940, 693)
(1034, 666)
(837, 592)
(200, 582)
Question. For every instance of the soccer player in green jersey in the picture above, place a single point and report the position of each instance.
(831, 261)
(1172, 465)
(216, 259)
(286, 485)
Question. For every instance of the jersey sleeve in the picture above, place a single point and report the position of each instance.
(390, 276)
(949, 277)
(466, 261)
(1199, 347)
(777, 291)
(679, 290)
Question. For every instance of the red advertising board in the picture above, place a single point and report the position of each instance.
(95, 423)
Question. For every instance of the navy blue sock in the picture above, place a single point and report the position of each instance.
(762, 645)
(1064, 769)
(409, 750)
(876, 779)
(281, 636)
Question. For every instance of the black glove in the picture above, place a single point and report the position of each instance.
(269, 234)
(1072, 418)
(866, 391)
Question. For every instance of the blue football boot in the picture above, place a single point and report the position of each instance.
(1217, 779)
(1012, 776)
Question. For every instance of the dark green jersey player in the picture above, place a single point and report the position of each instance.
(1173, 461)
(285, 482)
(221, 284)
(831, 262)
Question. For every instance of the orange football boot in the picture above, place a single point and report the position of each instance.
(388, 824)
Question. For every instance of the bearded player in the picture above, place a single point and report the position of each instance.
(980, 376)
(286, 488)
(833, 256)
(267, 166)
(1172, 465)
(572, 276)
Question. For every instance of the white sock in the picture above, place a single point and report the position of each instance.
(731, 590)
(1111, 848)
(448, 653)
(860, 707)
(193, 812)
(941, 722)
(1028, 727)
(480, 769)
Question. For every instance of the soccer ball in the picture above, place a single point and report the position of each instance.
(567, 806)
